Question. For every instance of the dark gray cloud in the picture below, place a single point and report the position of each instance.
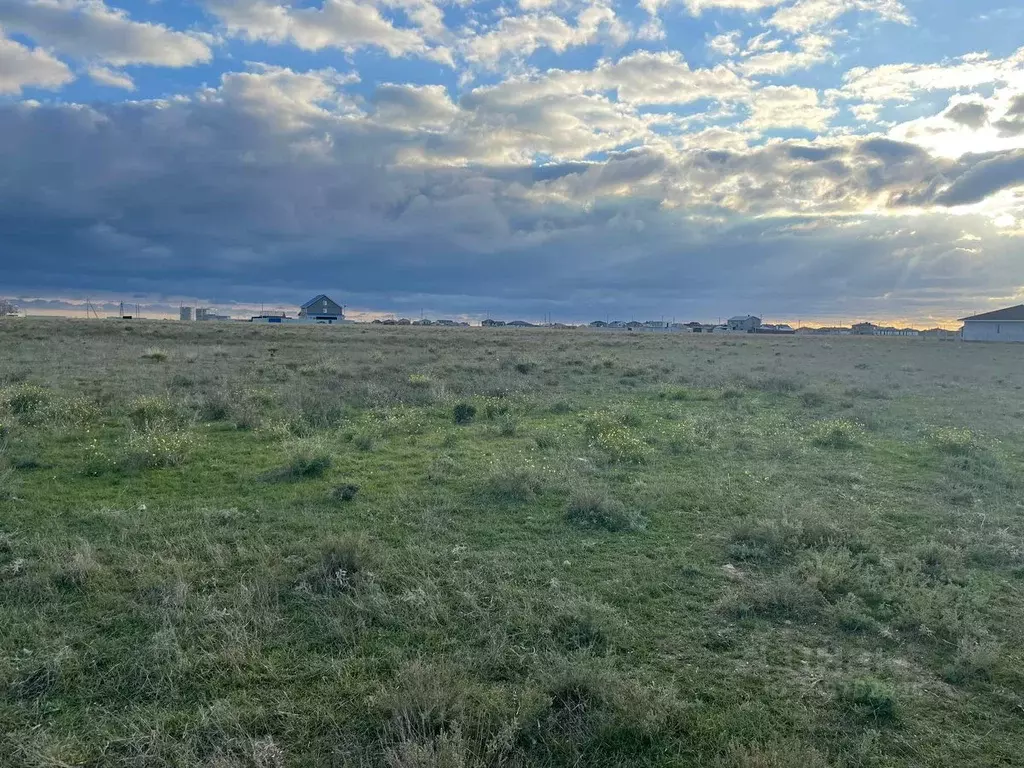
(1012, 123)
(969, 114)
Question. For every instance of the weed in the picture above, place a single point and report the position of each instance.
(155, 354)
(364, 440)
(839, 434)
(812, 399)
(974, 660)
(463, 413)
(420, 381)
(345, 492)
(594, 508)
(340, 568)
(442, 469)
(851, 614)
(870, 697)
(514, 483)
(305, 463)
(618, 442)
(26, 399)
(149, 411)
(781, 598)
(78, 569)
(580, 630)
(953, 441)
(508, 426)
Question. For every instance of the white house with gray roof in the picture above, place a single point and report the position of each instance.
(1000, 325)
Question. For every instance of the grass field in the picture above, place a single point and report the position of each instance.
(230, 545)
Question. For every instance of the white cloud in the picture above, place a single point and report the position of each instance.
(806, 15)
(344, 24)
(904, 82)
(726, 44)
(21, 67)
(813, 50)
(521, 36)
(112, 78)
(788, 107)
(697, 6)
(90, 29)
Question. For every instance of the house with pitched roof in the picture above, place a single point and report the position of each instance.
(322, 309)
(1000, 325)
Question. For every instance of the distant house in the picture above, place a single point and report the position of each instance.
(617, 324)
(599, 324)
(865, 329)
(748, 323)
(488, 323)
(322, 309)
(520, 324)
(1000, 325)
(942, 334)
(656, 324)
(780, 329)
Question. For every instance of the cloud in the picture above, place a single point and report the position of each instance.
(24, 67)
(697, 6)
(343, 24)
(726, 44)
(109, 77)
(788, 107)
(89, 29)
(521, 36)
(283, 182)
(1012, 123)
(970, 114)
(805, 15)
(813, 49)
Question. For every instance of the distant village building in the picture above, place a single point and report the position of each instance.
(1000, 325)
(748, 323)
(781, 329)
(185, 314)
(488, 323)
(322, 309)
(519, 324)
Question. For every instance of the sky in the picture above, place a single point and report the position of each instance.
(818, 160)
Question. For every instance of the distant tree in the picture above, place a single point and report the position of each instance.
(8, 308)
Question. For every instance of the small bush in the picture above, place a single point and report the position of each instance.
(345, 492)
(79, 568)
(953, 441)
(26, 399)
(153, 448)
(851, 615)
(974, 661)
(871, 698)
(782, 598)
(515, 483)
(580, 630)
(442, 469)
(562, 407)
(152, 410)
(464, 413)
(155, 354)
(545, 440)
(305, 463)
(773, 540)
(812, 399)
(420, 381)
(339, 570)
(508, 426)
(215, 406)
(364, 441)
(616, 440)
(593, 508)
(839, 434)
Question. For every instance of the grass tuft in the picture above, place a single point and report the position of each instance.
(463, 413)
(594, 508)
(871, 698)
(155, 354)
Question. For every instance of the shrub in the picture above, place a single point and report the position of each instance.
(508, 426)
(780, 598)
(153, 448)
(364, 441)
(851, 615)
(974, 661)
(515, 483)
(345, 492)
(779, 385)
(812, 399)
(869, 697)
(464, 413)
(155, 354)
(953, 441)
(616, 440)
(151, 410)
(594, 508)
(420, 381)
(840, 434)
(215, 406)
(26, 399)
(580, 630)
(305, 463)
(340, 568)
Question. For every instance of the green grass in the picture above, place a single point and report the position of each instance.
(457, 547)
